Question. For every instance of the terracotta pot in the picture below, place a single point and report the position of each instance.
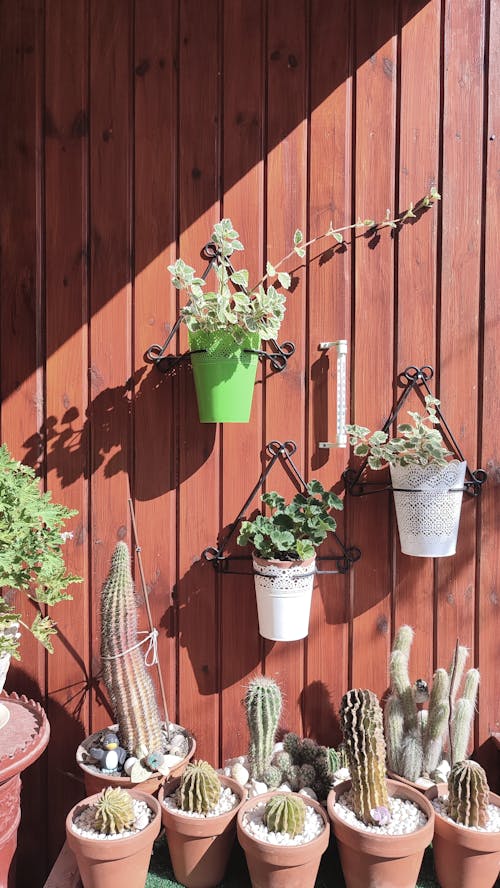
(463, 857)
(419, 787)
(282, 866)
(370, 860)
(200, 846)
(95, 780)
(109, 863)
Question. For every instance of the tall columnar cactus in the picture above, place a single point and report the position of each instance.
(362, 725)
(114, 811)
(125, 674)
(263, 709)
(199, 789)
(285, 813)
(468, 794)
(415, 738)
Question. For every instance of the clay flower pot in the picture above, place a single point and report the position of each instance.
(199, 847)
(106, 863)
(464, 857)
(420, 787)
(370, 860)
(282, 866)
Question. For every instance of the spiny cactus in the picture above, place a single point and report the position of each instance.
(263, 709)
(303, 762)
(199, 789)
(114, 811)
(361, 722)
(416, 737)
(125, 674)
(285, 813)
(468, 794)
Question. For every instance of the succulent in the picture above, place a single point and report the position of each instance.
(362, 726)
(285, 813)
(263, 709)
(125, 674)
(272, 776)
(303, 762)
(199, 789)
(468, 794)
(114, 811)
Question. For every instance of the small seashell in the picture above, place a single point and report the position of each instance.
(138, 773)
(178, 745)
(129, 763)
(240, 773)
(309, 792)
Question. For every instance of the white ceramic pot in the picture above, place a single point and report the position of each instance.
(284, 594)
(11, 630)
(428, 501)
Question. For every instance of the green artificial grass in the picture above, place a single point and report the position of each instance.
(329, 876)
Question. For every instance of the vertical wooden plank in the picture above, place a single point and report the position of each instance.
(155, 428)
(329, 319)
(198, 502)
(110, 295)
(373, 328)
(66, 128)
(286, 211)
(416, 282)
(242, 176)
(461, 213)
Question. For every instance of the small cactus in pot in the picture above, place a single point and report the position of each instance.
(114, 811)
(199, 789)
(285, 813)
(362, 727)
(468, 794)
(263, 703)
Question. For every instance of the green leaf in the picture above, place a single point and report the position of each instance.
(338, 237)
(305, 549)
(361, 449)
(315, 486)
(284, 279)
(300, 252)
(270, 269)
(298, 237)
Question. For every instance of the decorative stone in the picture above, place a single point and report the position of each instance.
(309, 792)
(138, 773)
(129, 763)
(239, 773)
(255, 788)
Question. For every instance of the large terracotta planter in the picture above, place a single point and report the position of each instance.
(372, 861)
(96, 781)
(110, 863)
(199, 847)
(282, 866)
(464, 857)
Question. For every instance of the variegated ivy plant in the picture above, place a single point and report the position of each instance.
(31, 558)
(419, 442)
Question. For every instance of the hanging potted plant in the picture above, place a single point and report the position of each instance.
(199, 816)
(111, 835)
(140, 749)
(284, 557)
(466, 841)
(427, 484)
(382, 826)
(31, 559)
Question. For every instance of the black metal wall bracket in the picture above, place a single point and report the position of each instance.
(411, 378)
(282, 452)
(156, 354)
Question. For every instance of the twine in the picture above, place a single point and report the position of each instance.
(151, 655)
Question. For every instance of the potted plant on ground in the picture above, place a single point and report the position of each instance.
(284, 557)
(466, 841)
(422, 743)
(140, 748)
(31, 559)
(382, 827)
(427, 484)
(111, 835)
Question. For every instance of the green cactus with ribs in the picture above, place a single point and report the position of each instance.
(362, 726)
(199, 789)
(468, 794)
(285, 813)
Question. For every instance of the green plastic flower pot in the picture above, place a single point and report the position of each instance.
(224, 375)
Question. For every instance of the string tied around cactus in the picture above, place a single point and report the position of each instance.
(151, 655)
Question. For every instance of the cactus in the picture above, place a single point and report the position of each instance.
(263, 708)
(463, 717)
(114, 811)
(124, 672)
(199, 789)
(305, 763)
(285, 813)
(468, 794)
(361, 722)
(272, 776)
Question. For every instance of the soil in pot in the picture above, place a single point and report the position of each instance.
(200, 844)
(275, 860)
(370, 855)
(109, 861)
(465, 857)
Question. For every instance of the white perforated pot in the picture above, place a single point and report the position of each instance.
(284, 593)
(428, 501)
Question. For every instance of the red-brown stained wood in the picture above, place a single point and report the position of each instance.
(110, 298)
(285, 394)
(375, 55)
(198, 499)
(243, 203)
(67, 428)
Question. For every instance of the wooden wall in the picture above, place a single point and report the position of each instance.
(129, 128)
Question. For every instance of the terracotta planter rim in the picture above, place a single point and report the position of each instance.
(418, 786)
(114, 848)
(196, 826)
(291, 855)
(464, 836)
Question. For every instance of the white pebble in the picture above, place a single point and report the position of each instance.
(227, 801)
(309, 792)
(406, 816)
(440, 805)
(240, 773)
(285, 787)
(256, 787)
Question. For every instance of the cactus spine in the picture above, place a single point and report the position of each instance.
(128, 682)
(285, 813)
(468, 794)
(114, 811)
(199, 789)
(361, 722)
(263, 709)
